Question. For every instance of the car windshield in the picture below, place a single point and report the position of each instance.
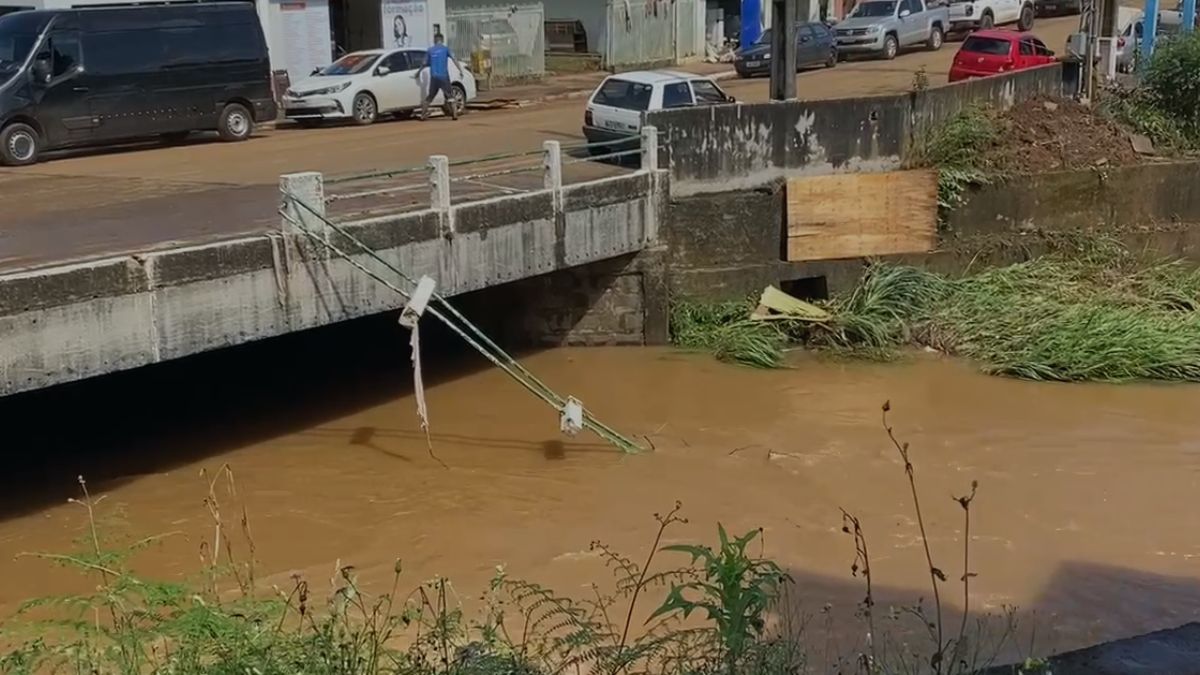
(986, 45)
(874, 9)
(350, 64)
(765, 38)
(624, 94)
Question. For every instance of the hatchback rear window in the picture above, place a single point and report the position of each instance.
(624, 94)
(986, 45)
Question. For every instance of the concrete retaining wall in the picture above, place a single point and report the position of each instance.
(745, 146)
(75, 321)
(729, 245)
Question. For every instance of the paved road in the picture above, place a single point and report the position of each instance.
(147, 196)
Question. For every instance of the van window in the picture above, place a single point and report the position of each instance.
(64, 53)
(624, 94)
(125, 51)
(987, 45)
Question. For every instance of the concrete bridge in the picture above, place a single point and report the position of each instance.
(593, 257)
(77, 320)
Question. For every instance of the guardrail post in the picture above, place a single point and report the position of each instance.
(552, 163)
(649, 148)
(439, 190)
(309, 188)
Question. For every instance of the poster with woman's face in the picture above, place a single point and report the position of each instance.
(405, 23)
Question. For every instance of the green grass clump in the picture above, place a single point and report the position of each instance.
(1100, 315)
(957, 150)
(725, 330)
(1089, 312)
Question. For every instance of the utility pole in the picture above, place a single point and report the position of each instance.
(1149, 30)
(783, 50)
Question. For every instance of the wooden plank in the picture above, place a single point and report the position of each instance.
(860, 215)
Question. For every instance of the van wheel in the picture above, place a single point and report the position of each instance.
(1026, 21)
(457, 105)
(987, 21)
(21, 145)
(364, 109)
(236, 123)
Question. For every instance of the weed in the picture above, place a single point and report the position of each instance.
(725, 330)
(958, 150)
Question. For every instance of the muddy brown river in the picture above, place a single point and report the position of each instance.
(1085, 512)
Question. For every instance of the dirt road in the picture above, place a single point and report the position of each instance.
(148, 196)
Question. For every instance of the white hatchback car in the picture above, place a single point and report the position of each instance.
(615, 110)
(361, 86)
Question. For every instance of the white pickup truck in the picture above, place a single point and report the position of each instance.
(969, 15)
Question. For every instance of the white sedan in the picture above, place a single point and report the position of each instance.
(364, 85)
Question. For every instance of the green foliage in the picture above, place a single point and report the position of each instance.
(725, 330)
(1166, 106)
(958, 150)
(1101, 315)
(1172, 77)
(734, 591)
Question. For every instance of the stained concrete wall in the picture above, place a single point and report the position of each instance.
(745, 146)
(75, 321)
(730, 245)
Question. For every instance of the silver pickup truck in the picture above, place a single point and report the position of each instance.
(884, 27)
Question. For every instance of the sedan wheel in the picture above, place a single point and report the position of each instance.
(365, 110)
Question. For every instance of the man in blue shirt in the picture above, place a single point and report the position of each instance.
(438, 59)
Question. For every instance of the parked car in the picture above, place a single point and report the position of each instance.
(615, 110)
(78, 77)
(969, 15)
(884, 27)
(992, 52)
(1058, 7)
(361, 86)
(815, 46)
(1129, 41)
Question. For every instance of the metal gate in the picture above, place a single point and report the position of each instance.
(508, 38)
(647, 32)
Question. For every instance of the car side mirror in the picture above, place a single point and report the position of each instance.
(904, 13)
(730, 99)
(315, 71)
(382, 70)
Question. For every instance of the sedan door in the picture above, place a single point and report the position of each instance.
(395, 83)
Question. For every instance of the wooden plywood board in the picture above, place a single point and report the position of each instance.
(860, 215)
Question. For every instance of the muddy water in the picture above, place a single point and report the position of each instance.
(1085, 512)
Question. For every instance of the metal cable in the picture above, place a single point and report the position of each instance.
(509, 364)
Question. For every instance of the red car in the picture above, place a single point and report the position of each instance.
(991, 52)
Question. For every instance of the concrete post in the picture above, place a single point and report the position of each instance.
(552, 165)
(439, 182)
(308, 188)
(439, 191)
(649, 148)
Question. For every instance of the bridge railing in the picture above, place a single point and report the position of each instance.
(381, 192)
(602, 214)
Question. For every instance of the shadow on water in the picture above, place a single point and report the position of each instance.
(825, 613)
(114, 428)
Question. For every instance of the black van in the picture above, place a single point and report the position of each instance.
(93, 76)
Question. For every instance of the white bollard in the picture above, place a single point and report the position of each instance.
(309, 189)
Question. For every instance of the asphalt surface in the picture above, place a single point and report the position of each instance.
(140, 197)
